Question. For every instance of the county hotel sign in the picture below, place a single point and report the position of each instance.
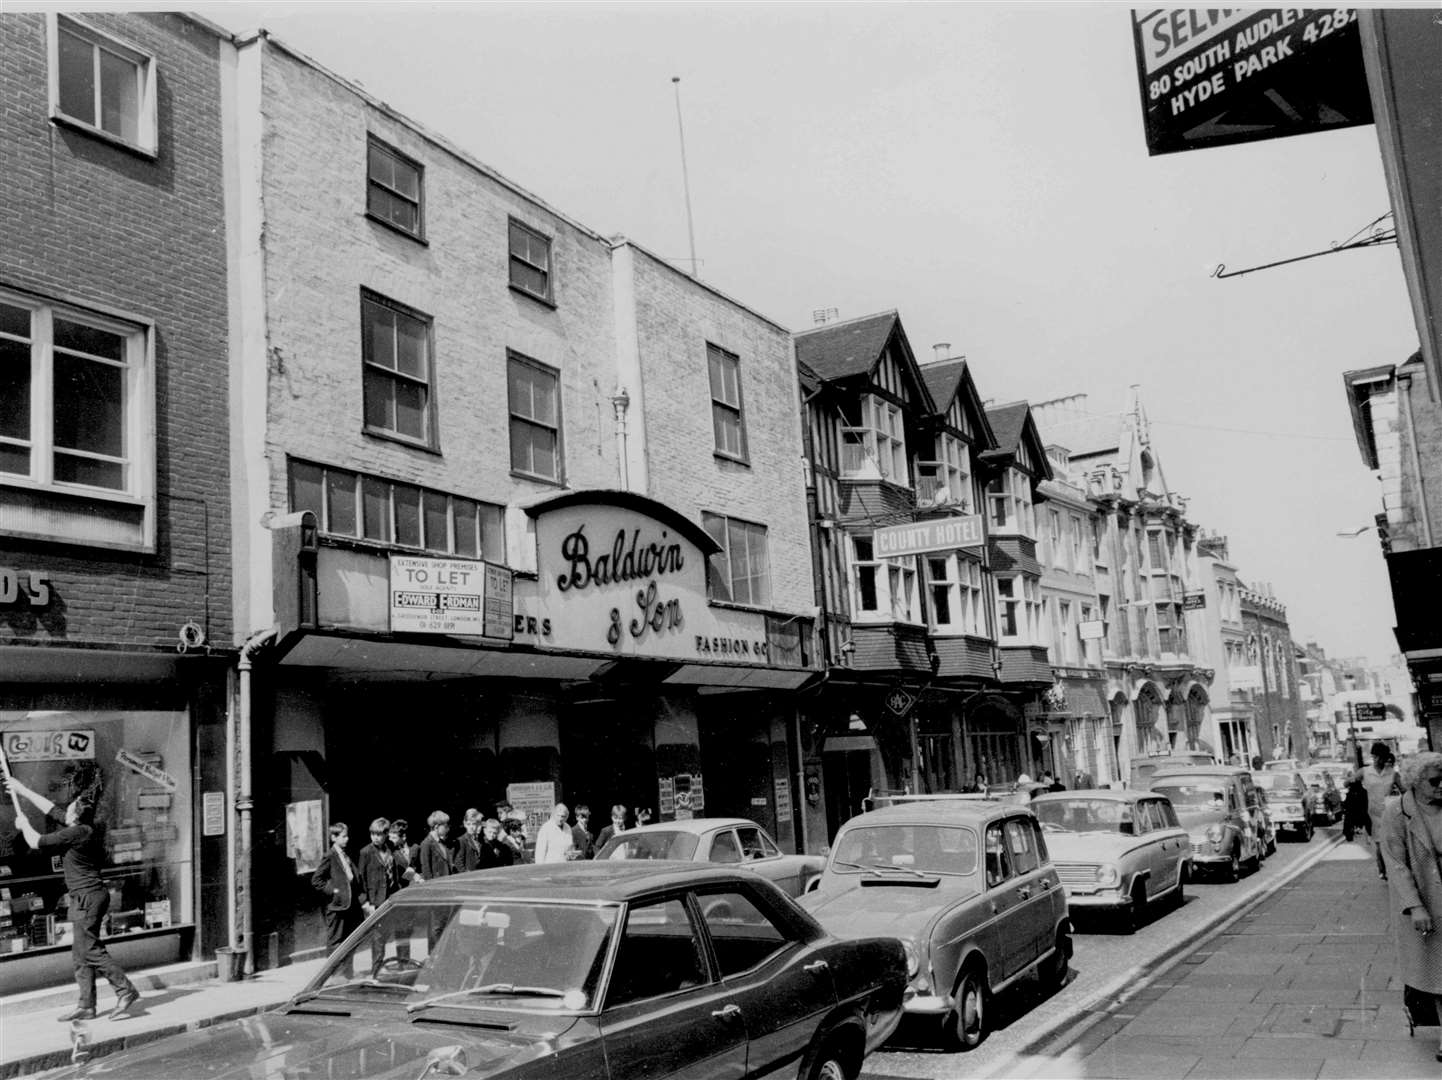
(622, 574)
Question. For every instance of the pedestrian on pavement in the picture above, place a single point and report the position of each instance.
(1380, 780)
(494, 850)
(513, 835)
(407, 855)
(581, 832)
(618, 825)
(81, 844)
(435, 856)
(468, 847)
(553, 840)
(376, 865)
(1411, 840)
(336, 879)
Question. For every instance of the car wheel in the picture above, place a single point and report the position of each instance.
(1233, 872)
(1054, 971)
(1309, 833)
(1137, 912)
(830, 1064)
(1179, 894)
(967, 1022)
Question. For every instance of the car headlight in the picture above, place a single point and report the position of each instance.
(1215, 833)
(913, 959)
(1107, 874)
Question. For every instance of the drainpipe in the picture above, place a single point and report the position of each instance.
(242, 885)
(620, 402)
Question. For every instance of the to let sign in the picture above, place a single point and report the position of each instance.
(441, 596)
(943, 534)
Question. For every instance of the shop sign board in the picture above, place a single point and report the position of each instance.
(24, 588)
(783, 799)
(940, 534)
(1092, 630)
(1369, 712)
(139, 764)
(212, 813)
(1194, 601)
(1217, 76)
(613, 578)
(449, 596)
(69, 745)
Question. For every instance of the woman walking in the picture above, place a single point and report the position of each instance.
(1411, 842)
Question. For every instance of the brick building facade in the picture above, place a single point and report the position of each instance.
(115, 570)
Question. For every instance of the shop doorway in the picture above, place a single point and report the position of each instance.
(846, 779)
(608, 757)
(736, 767)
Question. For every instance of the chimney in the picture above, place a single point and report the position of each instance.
(822, 316)
(941, 350)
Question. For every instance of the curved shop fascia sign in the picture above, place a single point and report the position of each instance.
(622, 574)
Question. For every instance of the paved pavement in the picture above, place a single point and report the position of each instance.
(32, 1039)
(1300, 986)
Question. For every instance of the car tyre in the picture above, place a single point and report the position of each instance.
(1179, 894)
(1054, 972)
(1137, 911)
(967, 1024)
(1233, 872)
(831, 1064)
(1308, 832)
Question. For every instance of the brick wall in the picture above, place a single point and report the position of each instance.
(320, 250)
(90, 222)
(676, 318)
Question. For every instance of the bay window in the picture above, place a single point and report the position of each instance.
(954, 589)
(1018, 609)
(945, 477)
(883, 587)
(1009, 503)
(873, 440)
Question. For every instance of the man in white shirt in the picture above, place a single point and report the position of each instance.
(554, 842)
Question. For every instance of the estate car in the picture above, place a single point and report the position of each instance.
(717, 840)
(970, 890)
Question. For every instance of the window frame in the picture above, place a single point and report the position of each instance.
(516, 359)
(711, 521)
(431, 439)
(881, 435)
(947, 470)
(789, 941)
(1027, 601)
(147, 141)
(548, 297)
(138, 410)
(963, 587)
(715, 353)
(1010, 492)
(375, 142)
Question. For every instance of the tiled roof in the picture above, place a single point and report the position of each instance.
(845, 348)
(941, 379)
(1007, 422)
(809, 380)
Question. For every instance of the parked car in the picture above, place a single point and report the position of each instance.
(1221, 810)
(575, 969)
(717, 840)
(1143, 767)
(1020, 794)
(1117, 852)
(1328, 793)
(1290, 802)
(1286, 764)
(968, 887)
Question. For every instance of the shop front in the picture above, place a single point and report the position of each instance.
(148, 751)
(596, 672)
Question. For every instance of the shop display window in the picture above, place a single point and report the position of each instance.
(136, 765)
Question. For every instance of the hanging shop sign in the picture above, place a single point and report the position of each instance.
(1369, 712)
(1216, 76)
(1194, 601)
(450, 596)
(621, 574)
(900, 701)
(1091, 630)
(914, 538)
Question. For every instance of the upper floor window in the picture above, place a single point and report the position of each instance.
(873, 440)
(883, 587)
(954, 589)
(1078, 562)
(1067, 640)
(1096, 539)
(1155, 551)
(1171, 629)
(102, 84)
(534, 392)
(1018, 609)
(361, 507)
(1053, 520)
(741, 570)
(945, 479)
(393, 188)
(396, 349)
(76, 408)
(530, 261)
(726, 417)
(1009, 503)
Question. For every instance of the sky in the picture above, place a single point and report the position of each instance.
(981, 169)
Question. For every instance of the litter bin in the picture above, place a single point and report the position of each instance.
(230, 963)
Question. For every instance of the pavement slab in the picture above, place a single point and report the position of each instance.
(1226, 1068)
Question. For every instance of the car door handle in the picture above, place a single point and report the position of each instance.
(816, 967)
(727, 1012)
(1024, 893)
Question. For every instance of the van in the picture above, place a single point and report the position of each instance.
(1223, 813)
(1142, 768)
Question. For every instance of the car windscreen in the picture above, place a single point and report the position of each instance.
(926, 848)
(664, 844)
(1277, 781)
(1083, 815)
(500, 954)
(1193, 795)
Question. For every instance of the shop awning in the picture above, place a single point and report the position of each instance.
(741, 678)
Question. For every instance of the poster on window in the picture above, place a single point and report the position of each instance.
(534, 800)
(305, 834)
(68, 744)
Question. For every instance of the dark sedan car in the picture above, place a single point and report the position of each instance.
(648, 969)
